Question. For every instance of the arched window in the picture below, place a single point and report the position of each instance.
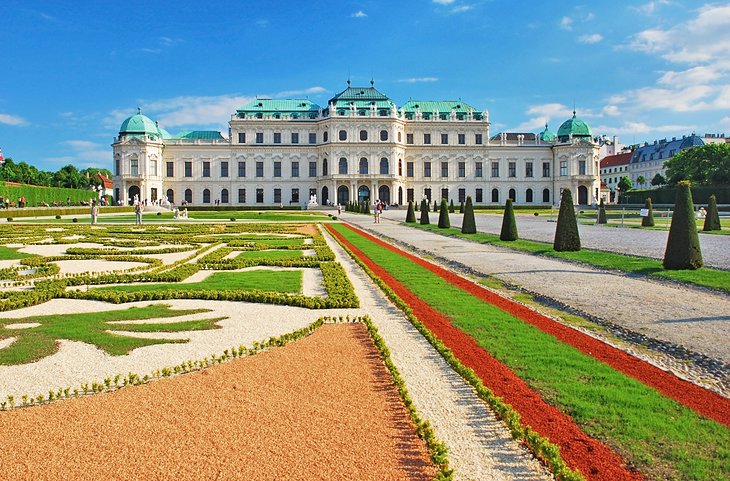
(188, 196)
(384, 135)
(325, 136)
(206, 196)
(324, 167)
(495, 195)
(513, 195)
(384, 170)
(546, 195)
(363, 166)
(343, 166)
(363, 135)
(400, 167)
(170, 194)
(528, 195)
(399, 136)
(343, 135)
(224, 196)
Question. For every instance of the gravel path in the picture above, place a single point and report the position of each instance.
(480, 446)
(694, 319)
(264, 417)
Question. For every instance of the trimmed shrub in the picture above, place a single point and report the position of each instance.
(444, 215)
(424, 212)
(712, 217)
(411, 215)
(509, 226)
(435, 206)
(601, 214)
(683, 245)
(58, 216)
(566, 232)
(451, 206)
(461, 208)
(648, 221)
(74, 220)
(468, 225)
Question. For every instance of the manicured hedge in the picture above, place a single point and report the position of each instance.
(667, 195)
(34, 194)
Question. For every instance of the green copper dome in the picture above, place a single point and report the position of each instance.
(140, 125)
(546, 135)
(574, 127)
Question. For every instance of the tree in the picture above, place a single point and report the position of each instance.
(509, 226)
(625, 184)
(451, 206)
(435, 206)
(705, 165)
(444, 222)
(468, 225)
(566, 232)
(683, 244)
(461, 208)
(712, 217)
(411, 215)
(424, 212)
(641, 180)
(658, 180)
(648, 220)
(602, 213)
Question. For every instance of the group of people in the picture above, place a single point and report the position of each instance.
(7, 202)
(378, 207)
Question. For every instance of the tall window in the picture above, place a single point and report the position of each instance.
(383, 135)
(410, 195)
(242, 169)
(427, 194)
(259, 137)
(546, 195)
(343, 166)
(170, 194)
(295, 169)
(444, 169)
(495, 169)
(563, 167)
(325, 136)
(528, 195)
(277, 196)
(462, 195)
(117, 168)
(444, 139)
(363, 166)
(528, 169)
(312, 137)
(343, 135)
(206, 169)
(224, 169)
(512, 167)
(581, 167)
(259, 196)
(426, 138)
(384, 168)
(399, 136)
(153, 166)
(241, 196)
(409, 169)
(546, 169)
(427, 169)
(400, 167)
(325, 168)
(224, 196)
(478, 139)
(170, 169)
(512, 195)
(363, 135)
(294, 138)
(461, 139)
(295, 195)
(277, 169)
(188, 170)
(479, 198)
(478, 172)
(134, 167)
(313, 169)
(462, 169)
(188, 196)
(409, 138)
(206, 196)
(259, 169)
(242, 137)
(495, 195)
(277, 137)
(445, 194)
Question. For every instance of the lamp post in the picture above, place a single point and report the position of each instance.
(618, 195)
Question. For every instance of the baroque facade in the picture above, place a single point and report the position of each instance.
(360, 147)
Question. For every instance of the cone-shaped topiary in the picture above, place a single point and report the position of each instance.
(566, 232)
(444, 222)
(712, 217)
(509, 226)
(683, 245)
(468, 225)
(602, 213)
(435, 206)
(461, 208)
(424, 212)
(451, 206)
(648, 221)
(411, 215)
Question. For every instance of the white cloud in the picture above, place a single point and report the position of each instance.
(83, 153)
(12, 120)
(444, 2)
(593, 38)
(542, 114)
(81, 145)
(294, 93)
(359, 14)
(630, 128)
(566, 23)
(413, 80)
(462, 8)
(611, 111)
(650, 7)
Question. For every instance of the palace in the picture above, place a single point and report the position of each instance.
(362, 147)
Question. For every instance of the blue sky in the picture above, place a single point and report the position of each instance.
(73, 71)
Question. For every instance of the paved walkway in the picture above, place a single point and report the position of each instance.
(694, 319)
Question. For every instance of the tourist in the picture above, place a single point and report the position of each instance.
(138, 213)
(94, 212)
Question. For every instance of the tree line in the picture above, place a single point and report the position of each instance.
(68, 176)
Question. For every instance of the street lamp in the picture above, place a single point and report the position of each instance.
(618, 194)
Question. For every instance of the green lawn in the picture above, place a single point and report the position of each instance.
(707, 277)
(272, 254)
(35, 343)
(289, 282)
(661, 437)
(8, 253)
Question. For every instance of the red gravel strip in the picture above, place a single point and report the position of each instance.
(703, 401)
(323, 407)
(594, 459)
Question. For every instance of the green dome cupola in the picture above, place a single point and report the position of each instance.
(139, 124)
(546, 135)
(574, 128)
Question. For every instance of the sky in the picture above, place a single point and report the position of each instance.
(71, 72)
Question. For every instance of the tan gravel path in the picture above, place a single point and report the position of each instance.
(320, 408)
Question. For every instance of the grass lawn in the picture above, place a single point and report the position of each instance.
(707, 277)
(272, 254)
(661, 437)
(288, 282)
(35, 343)
(8, 253)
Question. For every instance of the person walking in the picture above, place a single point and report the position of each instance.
(94, 212)
(138, 213)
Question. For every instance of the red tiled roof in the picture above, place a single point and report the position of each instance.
(106, 181)
(618, 159)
